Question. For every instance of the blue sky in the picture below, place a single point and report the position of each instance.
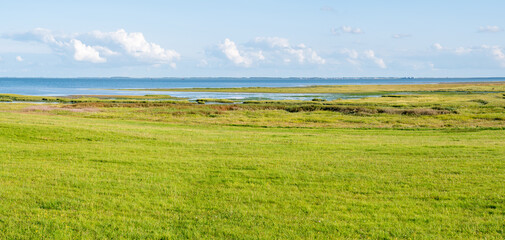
(252, 38)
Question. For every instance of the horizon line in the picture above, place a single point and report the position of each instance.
(122, 77)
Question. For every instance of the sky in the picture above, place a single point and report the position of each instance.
(252, 38)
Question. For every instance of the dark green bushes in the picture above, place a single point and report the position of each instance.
(214, 100)
(483, 102)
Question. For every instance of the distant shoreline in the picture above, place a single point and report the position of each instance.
(115, 86)
(256, 78)
(366, 88)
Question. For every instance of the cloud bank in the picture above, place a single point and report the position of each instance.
(101, 47)
(103, 50)
(267, 51)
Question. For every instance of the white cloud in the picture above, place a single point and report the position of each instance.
(437, 46)
(379, 61)
(105, 51)
(355, 58)
(478, 57)
(37, 35)
(281, 46)
(136, 45)
(19, 59)
(352, 56)
(462, 50)
(349, 29)
(229, 48)
(98, 47)
(268, 50)
(497, 53)
(458, 50)
(273, 42)
(86, 53)
(490, 29)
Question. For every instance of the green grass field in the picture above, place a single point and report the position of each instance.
(420, 166)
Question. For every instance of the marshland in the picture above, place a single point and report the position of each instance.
(417, 161)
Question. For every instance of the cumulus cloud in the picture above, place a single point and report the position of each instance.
(490, 29)
(105, 51)
(437, 46)
(135, 44)
(229, 48)
(86, 53)
(352, 56)
(100, 47)
(268, 50)
(282, 47)
(498, 53)
(19, 59)
(371, 55)
(347, 29)
(355, 58)
(459, 50)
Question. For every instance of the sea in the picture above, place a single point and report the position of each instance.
(113, 86)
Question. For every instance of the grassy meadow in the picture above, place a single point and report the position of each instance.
(427, 164)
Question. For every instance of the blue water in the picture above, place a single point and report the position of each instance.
(92, 86)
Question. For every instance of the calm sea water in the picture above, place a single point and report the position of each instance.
(77, 86)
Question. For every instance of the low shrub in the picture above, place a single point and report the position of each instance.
(395, 96)
(332, 108)
(215, 100)
(481, 101)
(450, 109)
(365, 110)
